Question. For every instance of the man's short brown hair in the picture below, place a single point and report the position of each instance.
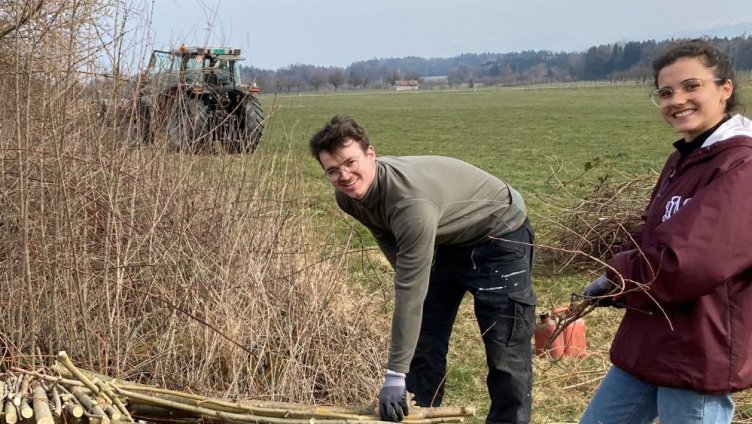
(336, 134)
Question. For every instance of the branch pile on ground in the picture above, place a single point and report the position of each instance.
(71, 395)
(587, 227)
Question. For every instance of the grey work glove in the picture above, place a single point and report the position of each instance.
(393, 397)
(597, 289)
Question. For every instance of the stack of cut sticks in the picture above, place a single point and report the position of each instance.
(73, 396)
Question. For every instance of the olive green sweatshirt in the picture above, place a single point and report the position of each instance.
(416, 203)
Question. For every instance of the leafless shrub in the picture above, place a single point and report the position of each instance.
(207, 273)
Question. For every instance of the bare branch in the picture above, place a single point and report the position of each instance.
(25, 17)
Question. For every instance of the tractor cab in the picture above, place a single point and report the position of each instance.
(212, 66)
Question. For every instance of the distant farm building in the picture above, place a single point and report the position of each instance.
(404, 85)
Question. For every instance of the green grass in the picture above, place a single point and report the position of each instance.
(528, 137)
(516, 134)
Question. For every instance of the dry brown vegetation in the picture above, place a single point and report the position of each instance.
(191, 272)
(592, 216)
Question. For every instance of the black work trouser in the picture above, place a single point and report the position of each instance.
(498, 275)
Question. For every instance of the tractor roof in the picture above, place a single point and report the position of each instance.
(219, 52)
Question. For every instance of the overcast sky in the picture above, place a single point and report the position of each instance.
(277, 33)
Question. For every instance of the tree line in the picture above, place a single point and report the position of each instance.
(620, 61)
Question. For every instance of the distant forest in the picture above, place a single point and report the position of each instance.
(622, 61)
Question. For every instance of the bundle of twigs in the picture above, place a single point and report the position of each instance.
(73, 395)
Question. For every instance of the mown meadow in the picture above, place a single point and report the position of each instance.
(520, 134)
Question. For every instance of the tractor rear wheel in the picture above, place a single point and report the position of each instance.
(250, 127)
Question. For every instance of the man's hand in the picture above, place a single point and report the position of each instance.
(597, 289)
(393, 397)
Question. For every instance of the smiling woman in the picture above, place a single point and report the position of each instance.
(692, 98)
(682, 347)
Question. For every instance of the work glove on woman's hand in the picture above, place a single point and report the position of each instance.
(596, 291)
(393, 397)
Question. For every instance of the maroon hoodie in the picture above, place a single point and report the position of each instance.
(688, 322)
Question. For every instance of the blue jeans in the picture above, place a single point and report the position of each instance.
(623, 399)
(497, 274)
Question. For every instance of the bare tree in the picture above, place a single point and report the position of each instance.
(317, 78)
(393, 76)
(336, 77)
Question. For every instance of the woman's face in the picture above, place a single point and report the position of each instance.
(692, 100)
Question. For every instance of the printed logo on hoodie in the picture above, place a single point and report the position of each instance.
(673, 205)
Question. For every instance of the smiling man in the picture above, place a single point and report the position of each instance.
(447, 228)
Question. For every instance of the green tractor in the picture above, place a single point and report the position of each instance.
(194, 96)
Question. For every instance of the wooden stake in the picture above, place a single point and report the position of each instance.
(26, 410)
(65, 360)
(73, 410)
(41, 405)
(19, 392)
(233, 417)
(113, 413)
(11, 416)
(105, 389)
(71, 407)
(89, 404)
(49, 378)
(56, 403)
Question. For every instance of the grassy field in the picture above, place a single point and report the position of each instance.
(519, 134)
(531, 138)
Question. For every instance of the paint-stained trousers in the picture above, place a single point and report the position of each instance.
(498, 275)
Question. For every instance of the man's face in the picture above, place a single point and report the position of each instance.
(350, 169)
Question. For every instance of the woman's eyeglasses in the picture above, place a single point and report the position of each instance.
(663, 95)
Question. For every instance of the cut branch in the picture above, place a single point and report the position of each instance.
(41, 405)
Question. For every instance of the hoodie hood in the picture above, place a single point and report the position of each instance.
(737, 125)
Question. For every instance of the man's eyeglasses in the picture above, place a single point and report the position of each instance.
(351, 165)
(663, 95)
